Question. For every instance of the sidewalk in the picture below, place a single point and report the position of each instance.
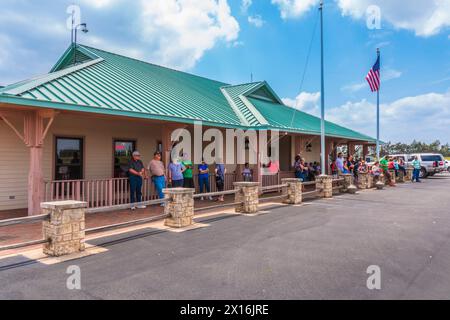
(30, 232)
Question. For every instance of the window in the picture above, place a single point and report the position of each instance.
(432, 158)
(69, 159)
(123, 151)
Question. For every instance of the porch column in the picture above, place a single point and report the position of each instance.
(34, 132)
(299, 145)
(33, 136)
(166, 144)
(365, 151)
(350, 149)
(329, 146)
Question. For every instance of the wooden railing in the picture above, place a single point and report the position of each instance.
(110, 192)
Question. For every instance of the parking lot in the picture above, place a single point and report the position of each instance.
(318, 250)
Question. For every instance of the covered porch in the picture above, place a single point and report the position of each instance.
(53, 155)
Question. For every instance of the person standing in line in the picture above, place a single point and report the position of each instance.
(188, 173)
(158, 174)
(203, 179)
(136, 173)
(299, 168)
(247, 173)
(334, 169)
(417, 168)
(340, 163)
(402, 166)
(176, 169)
(384, 164)
(220, 178)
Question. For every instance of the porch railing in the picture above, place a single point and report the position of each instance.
(116, 191)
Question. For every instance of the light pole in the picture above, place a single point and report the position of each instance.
(322, 95)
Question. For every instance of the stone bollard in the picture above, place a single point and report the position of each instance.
(348, 181)
(370, 182)
(65, 228)
(247, 197)
(180, 207)
(401, 177)
(393, 177)
(325, 184)
(363, 180)
(293, 191)
(379, 185)
(409, 174)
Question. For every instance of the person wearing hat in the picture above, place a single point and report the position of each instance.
(158, 173)
(136, 173)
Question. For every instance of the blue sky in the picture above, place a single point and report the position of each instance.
(228, 40)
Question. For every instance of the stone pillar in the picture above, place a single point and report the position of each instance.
(370, 182)
(409, 174)
(393, 177)
(247, 197)
(65, 228)
(348, 181)
(325, 184)
(363, 180)
(401, 176)
(293, 191)
(180, 207)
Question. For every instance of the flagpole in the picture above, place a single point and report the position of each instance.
(378, 111)
(322, 95)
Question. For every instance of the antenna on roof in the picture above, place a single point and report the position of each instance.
(76, 24)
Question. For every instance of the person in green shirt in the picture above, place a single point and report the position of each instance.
(384, 165)
(188, 172)
(417, 167)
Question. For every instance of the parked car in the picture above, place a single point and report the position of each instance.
(447, 165)
(432, 163)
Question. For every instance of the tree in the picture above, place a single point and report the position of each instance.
(416, 147)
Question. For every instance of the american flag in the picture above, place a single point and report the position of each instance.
(373, 77)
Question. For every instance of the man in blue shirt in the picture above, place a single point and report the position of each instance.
(203, 178)
(176, 169)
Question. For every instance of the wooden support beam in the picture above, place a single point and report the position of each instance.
(13, 128)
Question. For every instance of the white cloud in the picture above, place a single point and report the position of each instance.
(424, 17)
(245, 5)
(294, 8)
(256, 21)
(305, 101)
(424, 116)
(181, 31)
(99, 3)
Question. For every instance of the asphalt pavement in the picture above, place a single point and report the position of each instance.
(319, 250)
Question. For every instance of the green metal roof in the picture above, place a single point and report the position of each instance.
(92, 80)
(286, 118)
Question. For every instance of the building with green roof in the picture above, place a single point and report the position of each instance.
(79, 123)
